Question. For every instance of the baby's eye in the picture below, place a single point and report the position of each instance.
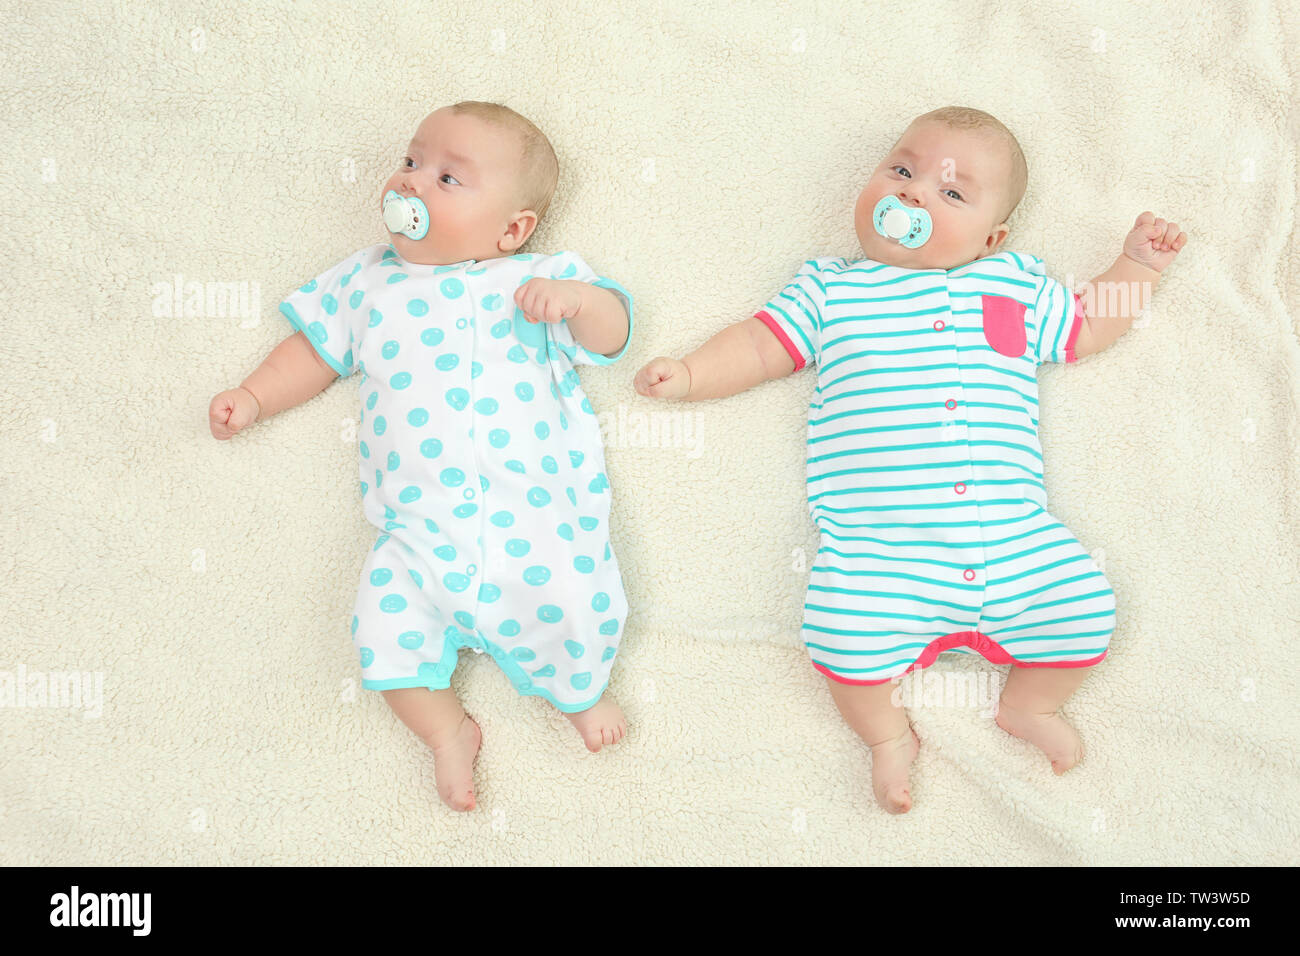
(451, 177)
(405, 160)
(952, 192)
(903, 168)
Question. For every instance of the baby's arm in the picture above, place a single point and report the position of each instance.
(291, 374)
(739, 357)
(1113, 299)
(600, 322)
(597, 318)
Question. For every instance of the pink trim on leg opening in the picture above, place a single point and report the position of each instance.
(992, 651)
(779, 332)
(1075, 326)
(844, 680)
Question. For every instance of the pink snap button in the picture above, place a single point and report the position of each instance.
(938, 325)
(950, 404)
(960, 487)
(968, 574)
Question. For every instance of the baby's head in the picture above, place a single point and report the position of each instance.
(965, 170)
(484, 176)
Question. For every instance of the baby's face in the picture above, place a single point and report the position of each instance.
(959, 177)
(466, 171)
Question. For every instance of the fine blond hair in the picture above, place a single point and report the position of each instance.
(539, 169)
(967, 118)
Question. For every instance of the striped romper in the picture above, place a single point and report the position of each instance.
(925, 472)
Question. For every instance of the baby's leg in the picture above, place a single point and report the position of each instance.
(1028, 709)
(884, 727)
(601, 723)
(438, 719)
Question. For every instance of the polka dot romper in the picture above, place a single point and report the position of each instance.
(482, 466)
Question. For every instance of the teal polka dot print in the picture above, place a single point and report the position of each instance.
(480, 467)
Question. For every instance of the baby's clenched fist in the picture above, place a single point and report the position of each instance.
(232, 411)
(663, 377)
(549, 300)
(1154, 243)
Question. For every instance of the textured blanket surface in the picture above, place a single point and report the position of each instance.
(176, 675)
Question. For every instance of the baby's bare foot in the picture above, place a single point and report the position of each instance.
(601, 723)
(453, 763)
(1048, 732)
(891, 764)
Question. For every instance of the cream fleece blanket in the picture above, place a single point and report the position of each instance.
(194, 595)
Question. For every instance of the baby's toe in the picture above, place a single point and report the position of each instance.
(460, 799)
(898, 800)
(1061, 764)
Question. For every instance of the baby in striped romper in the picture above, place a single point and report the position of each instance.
(924, 467)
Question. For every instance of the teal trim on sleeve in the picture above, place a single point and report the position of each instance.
(291, 314)
(627, 304)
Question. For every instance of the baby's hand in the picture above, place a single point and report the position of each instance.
(1154, 242)
(548, 300)
(663, 377)
(231, 412)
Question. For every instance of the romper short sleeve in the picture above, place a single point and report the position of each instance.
(570, 265)
(329, 310)
(795, 314)
(1057, 313)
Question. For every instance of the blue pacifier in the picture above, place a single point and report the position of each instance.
(909, 227)
(410, 217)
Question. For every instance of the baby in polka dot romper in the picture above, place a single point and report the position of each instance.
(480, 457)
(923, 462)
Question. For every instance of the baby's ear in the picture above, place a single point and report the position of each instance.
(518, 230)
(998, 236)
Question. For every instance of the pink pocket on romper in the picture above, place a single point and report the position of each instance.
(1004, 325)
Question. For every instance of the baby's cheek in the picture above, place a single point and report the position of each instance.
(862, 214)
